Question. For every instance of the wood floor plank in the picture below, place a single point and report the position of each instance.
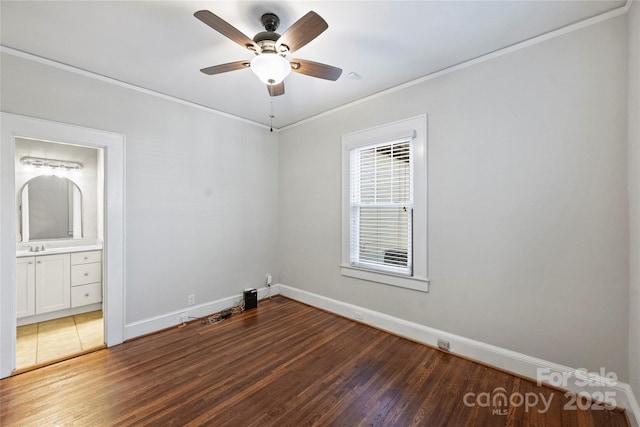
(283, 364)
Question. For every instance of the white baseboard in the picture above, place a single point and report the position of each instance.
(574, 380)
(168, 320)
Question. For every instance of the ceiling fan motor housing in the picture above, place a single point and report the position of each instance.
(267, 39)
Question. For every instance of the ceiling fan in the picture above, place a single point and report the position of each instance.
(270, 63)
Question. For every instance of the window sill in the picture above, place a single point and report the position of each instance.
(417, 284)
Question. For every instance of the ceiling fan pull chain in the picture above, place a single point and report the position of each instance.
(271, 116)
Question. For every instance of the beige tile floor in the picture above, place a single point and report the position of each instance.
(56, 339)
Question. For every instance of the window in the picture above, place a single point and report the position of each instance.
(381, 207)
(384, 204)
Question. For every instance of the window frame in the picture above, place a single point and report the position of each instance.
(415, 127)
(356, 207)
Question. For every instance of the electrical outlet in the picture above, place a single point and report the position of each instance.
(191, 299)
(184, 318)
(443, 345)
(268, 279)
(358, 315)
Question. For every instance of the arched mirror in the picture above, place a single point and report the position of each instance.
(51, 208)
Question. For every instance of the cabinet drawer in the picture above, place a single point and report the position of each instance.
(86, 273)
(86, 257)
(86, 294)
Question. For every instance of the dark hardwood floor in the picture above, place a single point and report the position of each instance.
(283, 364)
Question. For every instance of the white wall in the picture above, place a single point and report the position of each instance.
(634, 195)
(528, 214)
(201, 188)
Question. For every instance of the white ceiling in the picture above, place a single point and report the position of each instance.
(161, 46)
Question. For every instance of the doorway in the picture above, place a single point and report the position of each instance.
(60, 224)
(112, 146)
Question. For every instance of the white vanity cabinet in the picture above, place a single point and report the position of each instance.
(49, 283)
(86, 278)
(53, 283)
(26, 286)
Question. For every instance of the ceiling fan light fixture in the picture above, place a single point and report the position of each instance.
(270, 68)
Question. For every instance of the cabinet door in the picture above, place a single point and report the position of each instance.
(53, 283)
(26, 286)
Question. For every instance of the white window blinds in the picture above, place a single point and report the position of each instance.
(381, 195)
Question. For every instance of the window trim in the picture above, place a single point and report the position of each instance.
(355, 154)
(415, 127)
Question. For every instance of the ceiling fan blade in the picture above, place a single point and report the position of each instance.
(226, 29)
(276, 90)
(315, 69)
(223, 68)
(302, 31)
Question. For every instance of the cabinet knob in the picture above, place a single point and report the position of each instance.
(86, 274)
(86, 295)
(30, 262)
(39, 262)
(86, 258)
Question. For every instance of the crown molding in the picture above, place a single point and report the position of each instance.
(116, 82)
(478, 60)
